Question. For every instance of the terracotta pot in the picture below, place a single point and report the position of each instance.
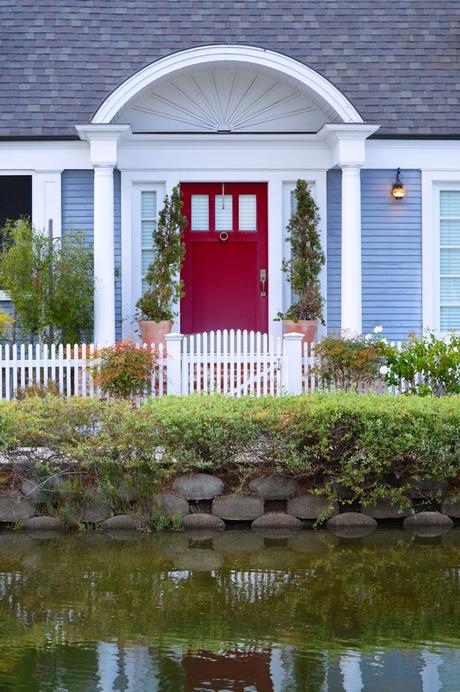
(309, 329)
(154, 332)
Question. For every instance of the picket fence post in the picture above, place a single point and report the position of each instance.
(174, 363)
(291, 363)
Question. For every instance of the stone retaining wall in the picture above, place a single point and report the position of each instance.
(202, 501)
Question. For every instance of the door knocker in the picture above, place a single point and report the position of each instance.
(223, 237)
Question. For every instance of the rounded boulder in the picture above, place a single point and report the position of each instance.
(277, 520)
(203, 521)
(308, 506)
(384, 509)
(451, 507)
(273, 487)
(237, 507)
(198, 486)
(43, 524)
(351, 520)
(427, 519)
(120, 522)
(13, 509)
(170, 505)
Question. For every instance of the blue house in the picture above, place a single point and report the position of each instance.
(105, 107)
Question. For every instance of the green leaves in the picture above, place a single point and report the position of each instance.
(50, 282)
(163, 275)
(307, 257)
(426, 365)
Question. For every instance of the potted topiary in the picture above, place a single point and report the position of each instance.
(304, 267)
(165, 287)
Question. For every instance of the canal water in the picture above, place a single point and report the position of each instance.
(230, 611)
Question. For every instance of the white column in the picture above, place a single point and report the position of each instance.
(351, 314)
(104, 262)
(347, 142)
(103, 140)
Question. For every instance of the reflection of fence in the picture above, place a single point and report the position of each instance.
(234, 363)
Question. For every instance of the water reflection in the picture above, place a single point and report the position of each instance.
(233, 611)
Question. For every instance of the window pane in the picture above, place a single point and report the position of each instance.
(450, 261)
(146, 233)
(450, 318)
(200, 213)
(450, 289)
(293, 203)
(147, 257)
(148, 204)
(450, 231)
(450, 202)
(247, 213)
(224, 213)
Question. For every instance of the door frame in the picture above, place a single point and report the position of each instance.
(260, 188)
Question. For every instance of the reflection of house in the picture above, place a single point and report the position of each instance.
(111, 104)
(235, 671)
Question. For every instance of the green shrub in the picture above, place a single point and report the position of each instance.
(50, 282)
(363, 447)
(349, 362)
(426, 365)
(123, 370)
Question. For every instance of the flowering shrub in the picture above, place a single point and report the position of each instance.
(348, 363)
(123, 370)
(425, 365)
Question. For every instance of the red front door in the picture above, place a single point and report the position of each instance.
(225, 271)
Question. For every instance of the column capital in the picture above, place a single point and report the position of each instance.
(103, 141)
(347, 143)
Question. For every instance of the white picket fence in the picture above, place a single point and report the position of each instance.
(234, 363)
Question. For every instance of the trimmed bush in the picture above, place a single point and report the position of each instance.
(357, 447)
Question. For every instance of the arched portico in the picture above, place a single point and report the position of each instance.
(322, 92)
(287, 97)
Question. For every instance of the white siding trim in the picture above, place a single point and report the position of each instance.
(432, 184)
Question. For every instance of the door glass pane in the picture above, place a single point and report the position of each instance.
(450, 317)
(450, 202)
(247, 213)
(200, 213)
(224, 213)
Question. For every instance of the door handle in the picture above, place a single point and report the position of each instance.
(263, 283)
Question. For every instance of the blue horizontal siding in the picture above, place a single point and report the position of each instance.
(391, 253)
(77, 200)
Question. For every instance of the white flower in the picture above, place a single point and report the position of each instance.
(384, 341)
(368, 337)
(384, 370)
(378, 329)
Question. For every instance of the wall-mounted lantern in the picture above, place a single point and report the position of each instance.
(398, 190)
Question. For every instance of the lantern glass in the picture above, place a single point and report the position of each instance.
(398, 191)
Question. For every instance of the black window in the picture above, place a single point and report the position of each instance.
(15, 197)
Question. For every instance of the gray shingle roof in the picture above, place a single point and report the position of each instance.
(398, 63)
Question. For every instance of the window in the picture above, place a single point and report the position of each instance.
(449, 204)
(247, 208)
(224, 212)
(200, 212)
(148, 224)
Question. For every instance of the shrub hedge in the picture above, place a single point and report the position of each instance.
(359, 447)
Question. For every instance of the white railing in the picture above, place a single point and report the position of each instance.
(64, 370)
(234, 363)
